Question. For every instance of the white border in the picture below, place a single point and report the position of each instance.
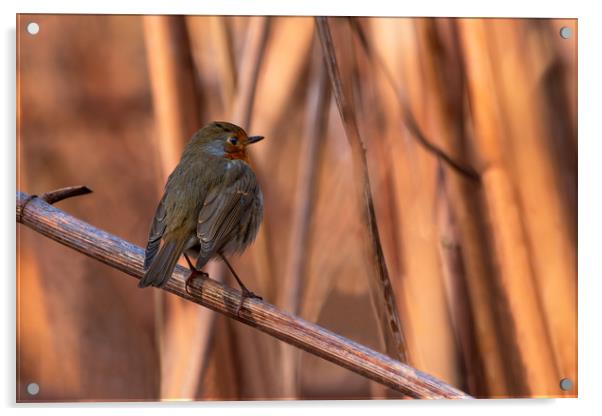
(507, 8)
(590, 206)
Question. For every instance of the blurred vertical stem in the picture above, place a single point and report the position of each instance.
(256, 355)
(407, 115)
(440, 49)
(545, 209)
(529, 353)
(182, 328)
(318, 104)
(214, 56)
(461, 311)
(382, 162)
(471, 221)
(173, 86)
(250, 62)
(248, 73)
(383, 299)
(422, 290)
(472, 224)
(225, 58)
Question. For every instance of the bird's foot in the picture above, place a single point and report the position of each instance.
(194, 274)
(246, 293)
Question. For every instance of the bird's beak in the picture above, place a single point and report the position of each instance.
(254, 139)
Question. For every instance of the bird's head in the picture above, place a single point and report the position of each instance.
(224, 139)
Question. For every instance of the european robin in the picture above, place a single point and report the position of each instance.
(211, 207)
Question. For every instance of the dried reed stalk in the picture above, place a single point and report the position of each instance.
(248, 73)
(173, 86)
(414, 174)
(462, 315)
(384, 165)
(545, 210)
(285, 61)
(441, 49)
(318, 104)
(238, 90)
(254, 354)
(407, 115)
(470, 218)
(111, 250)
(212, 50)
(225, 58)
(389, 156)
(337, 221)
(183, 330)
(528, 349)
(383, 299)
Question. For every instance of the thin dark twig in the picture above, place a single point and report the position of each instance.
(128, 258)
(64, 193)
(55, 196)
(408, 117)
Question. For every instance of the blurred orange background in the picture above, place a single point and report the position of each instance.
(484, 273)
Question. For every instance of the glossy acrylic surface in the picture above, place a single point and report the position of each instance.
(483, 271)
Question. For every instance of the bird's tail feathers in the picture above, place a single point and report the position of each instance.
(163, 263)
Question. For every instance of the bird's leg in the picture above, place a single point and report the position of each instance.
(246, 293)
(194, 273)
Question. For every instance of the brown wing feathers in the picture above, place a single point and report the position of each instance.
(155, 234)
(222, 213)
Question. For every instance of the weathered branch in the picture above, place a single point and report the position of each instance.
(54, 196)
(122, 255)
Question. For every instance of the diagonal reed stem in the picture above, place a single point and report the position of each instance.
(382, 296)
(128, 258)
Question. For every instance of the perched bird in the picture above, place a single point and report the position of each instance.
(211, 207)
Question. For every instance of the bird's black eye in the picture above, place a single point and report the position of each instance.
(232, 140)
